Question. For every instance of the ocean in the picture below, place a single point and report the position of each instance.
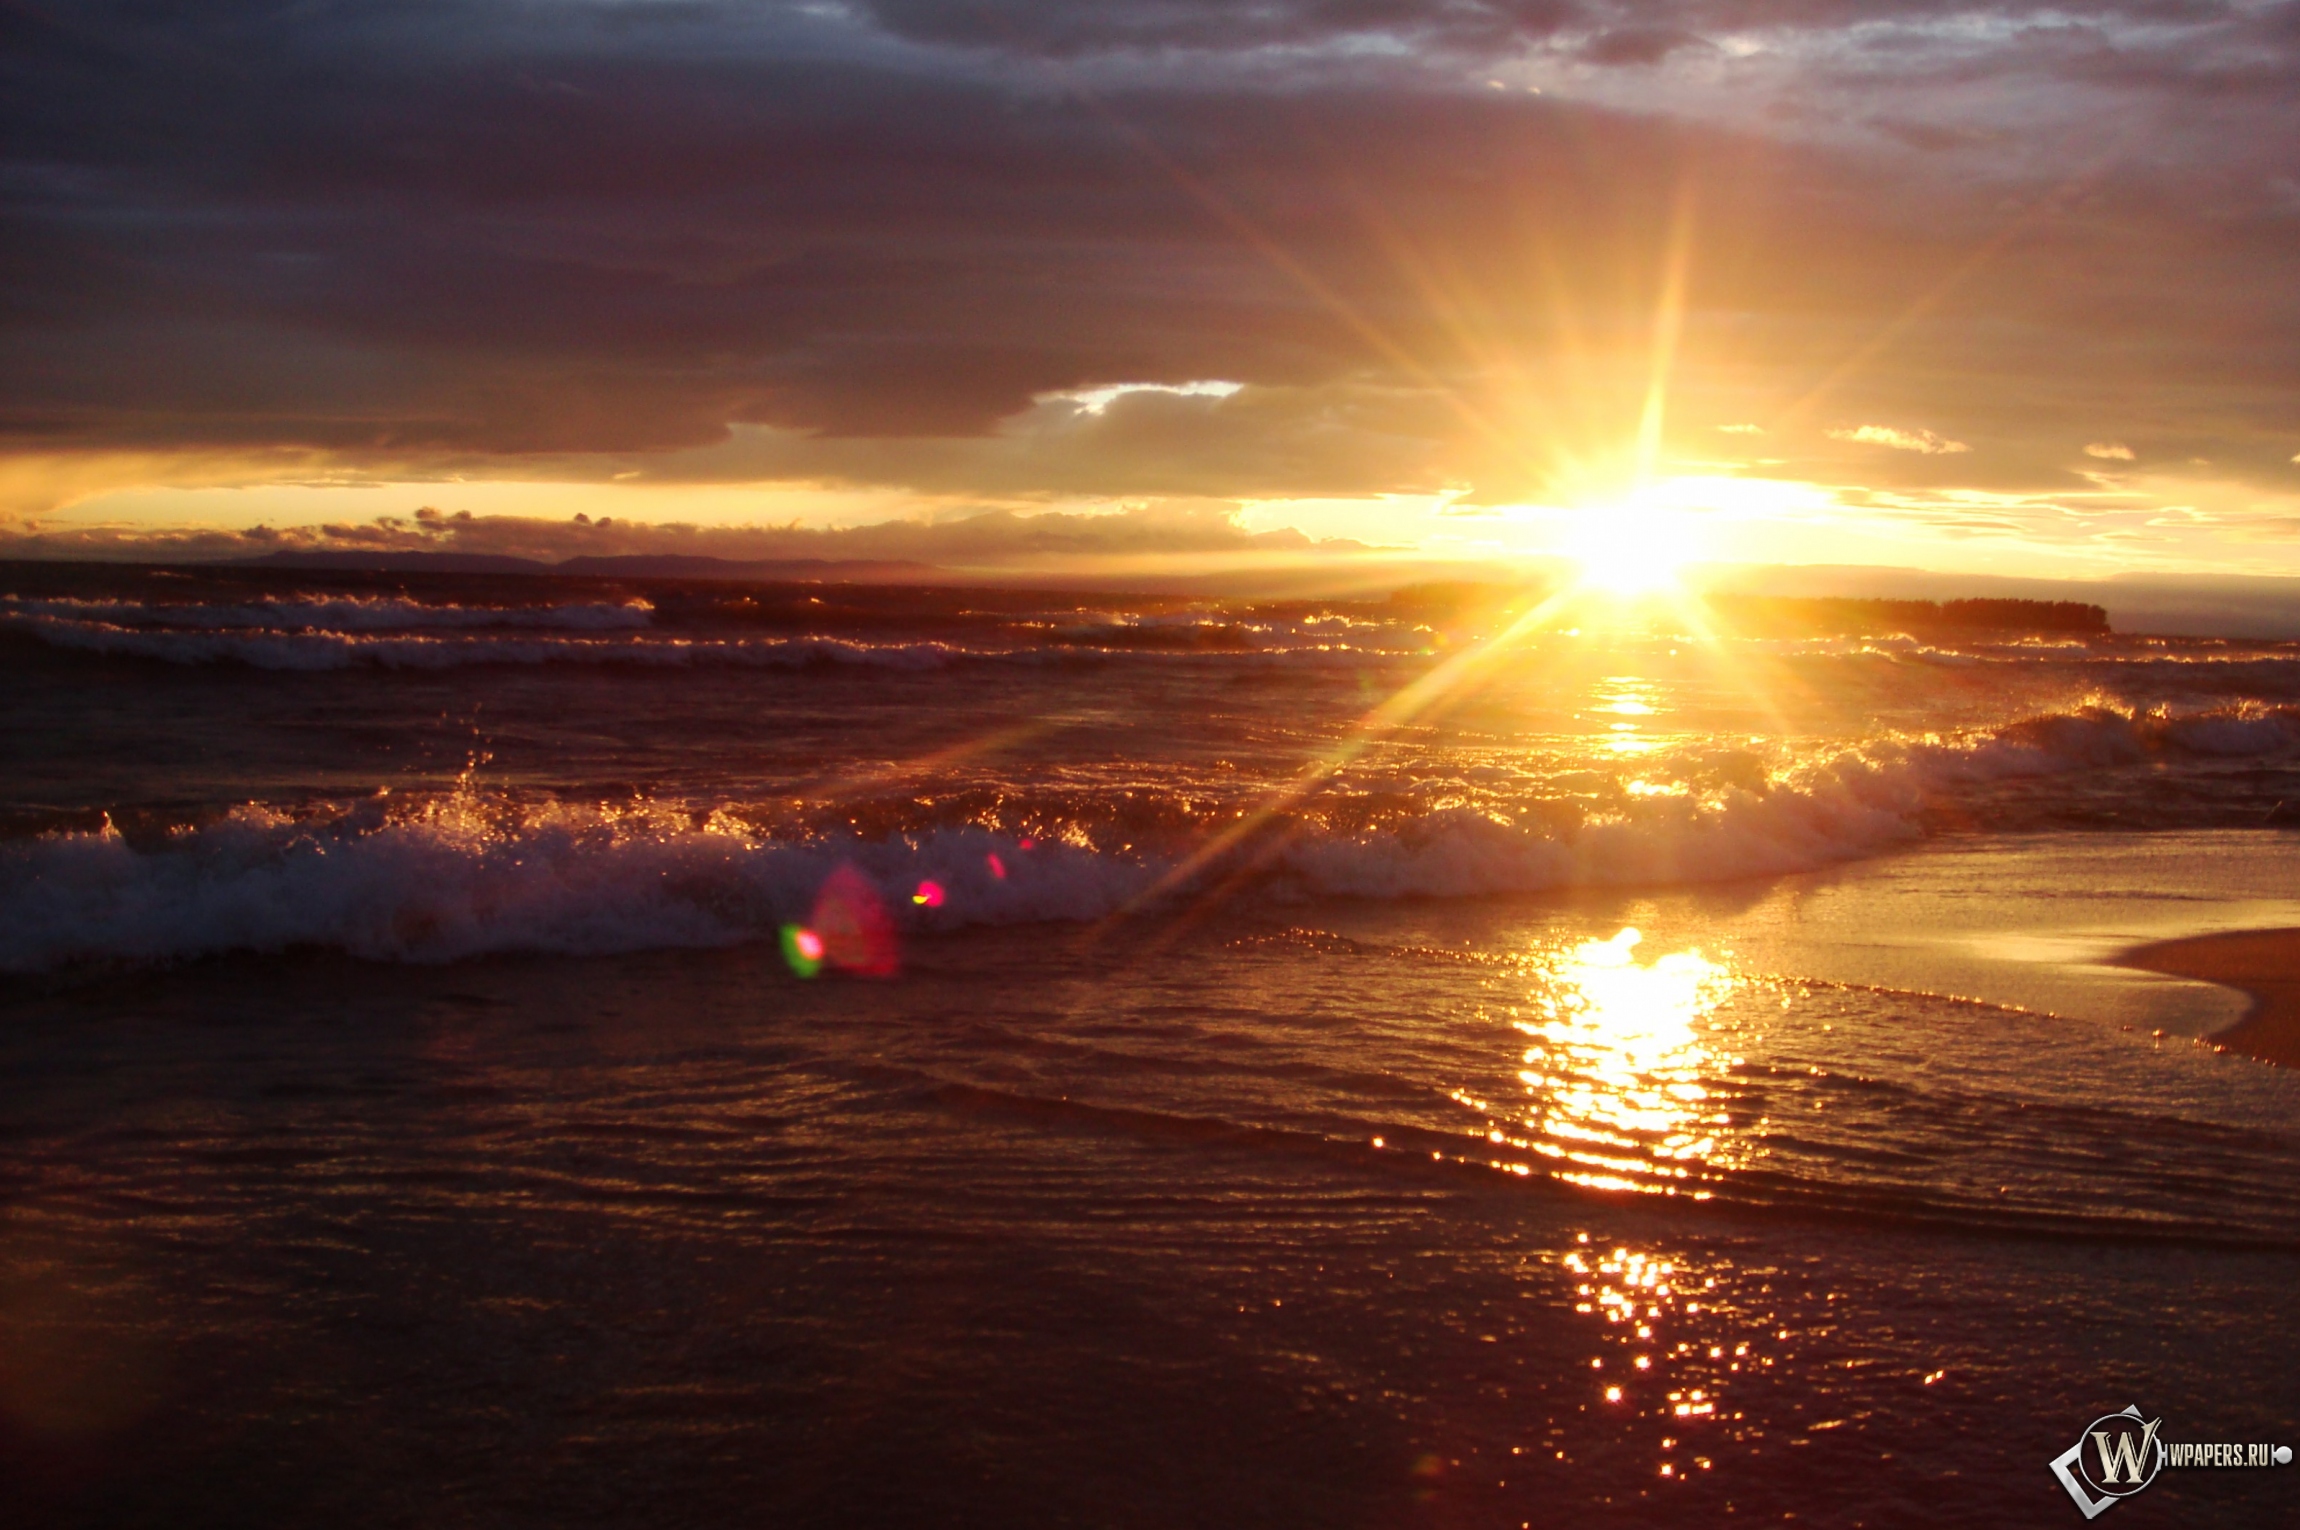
(489, 1050)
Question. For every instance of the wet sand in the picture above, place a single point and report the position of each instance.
(2262, 963)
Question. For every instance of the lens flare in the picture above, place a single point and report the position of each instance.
(856, 933)
(803, 949)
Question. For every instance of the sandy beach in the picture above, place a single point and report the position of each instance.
(2262, 963)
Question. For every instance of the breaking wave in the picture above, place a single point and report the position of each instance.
(472, 873)
(335, 613)
(315, 650)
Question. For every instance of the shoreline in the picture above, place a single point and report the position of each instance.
(2264, 965)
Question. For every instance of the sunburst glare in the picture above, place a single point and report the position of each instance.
(1633, 548)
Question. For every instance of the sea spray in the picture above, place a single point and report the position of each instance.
(474, 870)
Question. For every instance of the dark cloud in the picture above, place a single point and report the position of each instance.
(472, 230)
(1085, 26)
(1605, 31)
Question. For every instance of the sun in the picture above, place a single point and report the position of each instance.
(1625, 548)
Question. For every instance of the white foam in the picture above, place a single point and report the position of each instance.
(1840, 807)
(315, 650)
(462, 877)
(468, 874)
(338, 613)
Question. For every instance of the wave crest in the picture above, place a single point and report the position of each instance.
(318, 650)
(473, 873)
(335, 613)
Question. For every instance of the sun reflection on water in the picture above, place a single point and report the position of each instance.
(1626, 696)
(1622, 1076)
(1674, 1348)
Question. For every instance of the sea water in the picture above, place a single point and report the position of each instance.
(514, 1051)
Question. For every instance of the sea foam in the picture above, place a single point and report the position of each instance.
(279, 649)
(336, 613)
(472, 872)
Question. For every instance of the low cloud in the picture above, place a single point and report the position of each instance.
(988, 540)
(1900, 440)
(2114, 451)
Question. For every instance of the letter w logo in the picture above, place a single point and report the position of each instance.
(2121, 1455)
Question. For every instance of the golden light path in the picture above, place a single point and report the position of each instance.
(1677, 1336)
(1620, 1080)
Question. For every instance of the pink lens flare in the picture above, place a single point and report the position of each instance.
(929, 894)
(809, 945)
(856, 932)
(997, 866)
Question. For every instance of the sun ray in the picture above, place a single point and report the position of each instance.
(1292, 267)
(847, 785)
(1668, 324)
(1449, 680)
(2022, 219)
(1693, 615)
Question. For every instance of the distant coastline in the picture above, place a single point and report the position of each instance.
(1772, 615)
(1743, 615)
(1750, 600)
(1462, 607)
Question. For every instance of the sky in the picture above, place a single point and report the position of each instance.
(2008, 289)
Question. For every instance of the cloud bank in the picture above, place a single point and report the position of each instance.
(987, 541)
(907, 243)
